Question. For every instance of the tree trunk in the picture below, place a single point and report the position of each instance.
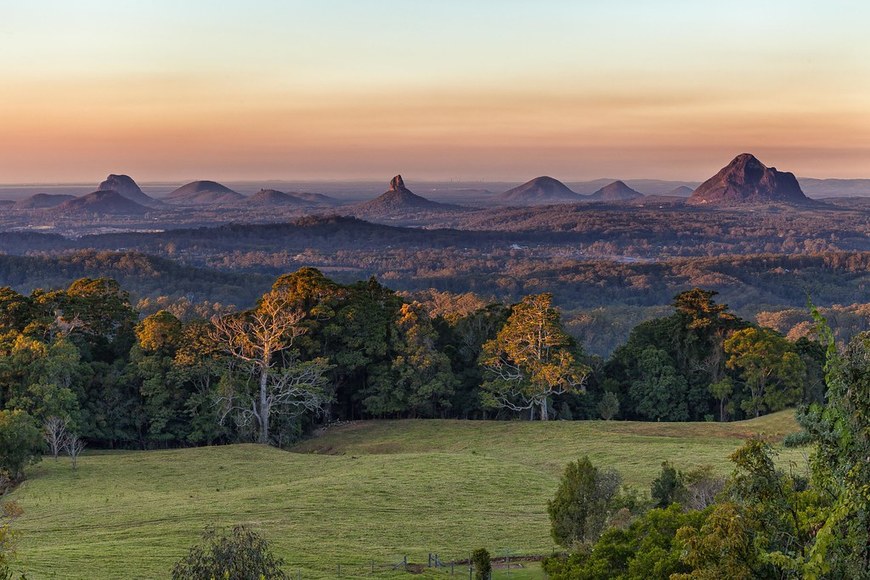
(264, 412)
(544, 414)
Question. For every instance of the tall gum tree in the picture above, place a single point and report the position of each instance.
(263, 339)
(531, 359)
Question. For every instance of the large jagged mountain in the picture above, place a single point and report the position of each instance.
(42, 201)
(747, 181)
(125, 185)
(203, 193)
(104, 202)
(400, 200)
(540, 190)
(616, 191)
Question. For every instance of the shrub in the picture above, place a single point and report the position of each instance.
(482, 565)
(583, 503)
(20, 442)
(241, 554)
(797, 439)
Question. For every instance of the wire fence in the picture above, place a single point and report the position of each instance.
(505, 563)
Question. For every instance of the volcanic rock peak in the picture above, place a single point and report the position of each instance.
(396, 183)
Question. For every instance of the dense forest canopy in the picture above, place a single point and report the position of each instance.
(312, 350)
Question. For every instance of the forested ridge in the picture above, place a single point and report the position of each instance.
(601, 300)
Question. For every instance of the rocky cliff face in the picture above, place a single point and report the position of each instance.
(128, 188)
(746, 180)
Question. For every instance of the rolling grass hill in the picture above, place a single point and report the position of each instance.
(361, 492)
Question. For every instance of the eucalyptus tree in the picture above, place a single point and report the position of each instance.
(262, 341)
(531, 358)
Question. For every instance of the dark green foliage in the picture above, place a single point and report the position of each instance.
(238, 554)
(20, 443)
(608, 406)
(583, 503)
(797, 439)
(645, 550)
(840, 430)
(665, 369)
(482, 564)
(668, 487)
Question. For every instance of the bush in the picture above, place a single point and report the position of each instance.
(797, 439)
(241, 554)
(583, 503)
(482, 565)
(608, 407)
(667, 487)
(20, 443)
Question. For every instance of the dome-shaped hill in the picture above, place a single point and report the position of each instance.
(204, 192)
(106, 202)
(273, 197)
(540, 190)
(616, 191)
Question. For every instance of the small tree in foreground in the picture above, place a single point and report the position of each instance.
(482, 563)
(240, 554)
(583, 503)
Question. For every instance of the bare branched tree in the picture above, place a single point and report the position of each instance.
(261, 339)
(54, 433)
(74, 446)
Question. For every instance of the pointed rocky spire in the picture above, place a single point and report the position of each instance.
(396, 183)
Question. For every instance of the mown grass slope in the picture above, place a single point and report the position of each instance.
(362, 492)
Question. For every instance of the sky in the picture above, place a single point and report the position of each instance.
(466, 90)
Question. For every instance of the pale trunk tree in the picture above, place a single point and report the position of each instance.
(259, 338)
(74, 446)
(54, 433)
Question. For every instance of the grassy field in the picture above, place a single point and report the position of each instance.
(360, 493)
